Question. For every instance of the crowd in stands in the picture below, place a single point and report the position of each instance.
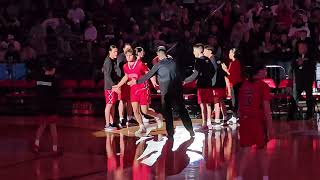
(76, 33)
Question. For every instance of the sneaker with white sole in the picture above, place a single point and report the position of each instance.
(203, 129)
(109, 128)
(145, 120)
(141, 132)
(232, 120)
(217, 126)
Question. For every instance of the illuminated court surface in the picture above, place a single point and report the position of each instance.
(92, 154)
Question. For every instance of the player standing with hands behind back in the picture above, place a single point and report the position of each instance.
(255, 119)
(254, 109)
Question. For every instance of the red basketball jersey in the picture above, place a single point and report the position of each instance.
(136, 71)
(251, 97)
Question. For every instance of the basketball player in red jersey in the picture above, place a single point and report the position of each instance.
(139, 93)
(254, 109)
(140, 53)
(255, 118)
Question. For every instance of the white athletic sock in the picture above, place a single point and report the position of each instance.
(37, 142)
(55, 148)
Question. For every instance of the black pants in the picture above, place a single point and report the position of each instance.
(175, 100)
(235, 96)
(309, 97)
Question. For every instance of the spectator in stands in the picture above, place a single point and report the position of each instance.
(63, 35)
(284, 13)
(253, 13)
(237, 34)
(3, 50)
(38, 38)
(284, 51)
(266, 49)
(90, 36)
(299, 23)
(28, 53)
(12, 55)
(16, 44)
(76, 15)
(303, 75)
(51, 22)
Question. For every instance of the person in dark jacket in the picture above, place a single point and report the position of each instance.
(303, 75)
(47, 101)
(203, 73)
(171, 90)
(218, 87)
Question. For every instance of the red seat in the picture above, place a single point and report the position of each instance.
(23, 84)
(87, 84)
(270, 83)
(189, 96)
(21, 95)
(100, 84)
(281, 96)
(68, 84)
(6, 83)
(285, 83)
(191, 85)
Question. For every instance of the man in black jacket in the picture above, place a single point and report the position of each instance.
(171, 90)
(303, 73)
(203, 73)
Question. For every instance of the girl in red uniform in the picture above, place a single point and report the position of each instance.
(254, 109)
(139, 93)
(255, 118)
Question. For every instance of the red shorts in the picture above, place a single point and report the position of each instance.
(110, 96)
(219, 92)
(142, 96)
(252, 131)
(205, 95)
(125, 93)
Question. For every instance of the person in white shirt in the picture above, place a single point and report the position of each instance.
(90, 36)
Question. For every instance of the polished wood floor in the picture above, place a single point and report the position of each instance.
(92, 154)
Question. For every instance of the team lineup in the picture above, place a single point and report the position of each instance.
(126, 80)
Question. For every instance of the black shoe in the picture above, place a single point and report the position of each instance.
(123, 123)
(170, 137)
(132, 121)
(118, 126)
(192, 133)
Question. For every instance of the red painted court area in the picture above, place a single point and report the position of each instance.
(90, 153)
